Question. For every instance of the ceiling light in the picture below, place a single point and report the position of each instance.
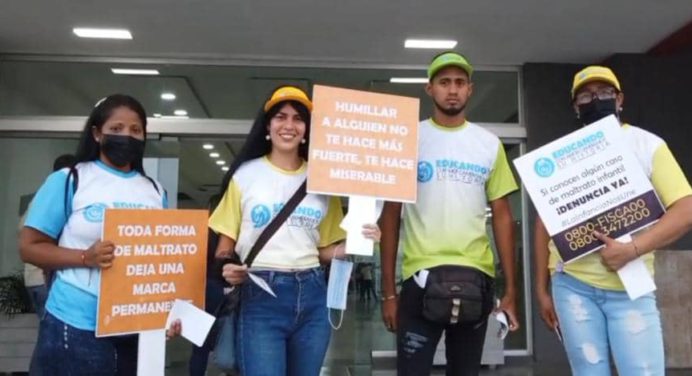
(220, 163)
(408, 80)
(180, 112)
(168, 96)
(86, 32)
(430, 43)
(225, 168)
(208, 146)
(143, 72)
(157, 115)
(214, 155)
(174, 117)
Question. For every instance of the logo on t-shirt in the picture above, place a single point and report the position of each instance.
(425, 171)
(453, 170)
(260, 215)
(94, 212)
(544, 167)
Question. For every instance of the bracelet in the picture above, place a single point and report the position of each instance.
(390, 297)
(636, 249)
(83, 257)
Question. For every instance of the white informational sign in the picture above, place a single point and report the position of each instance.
(586, 181)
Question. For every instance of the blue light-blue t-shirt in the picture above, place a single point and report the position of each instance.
(75, 220)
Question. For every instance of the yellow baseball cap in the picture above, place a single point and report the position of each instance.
(594, 73)
(449, 59)
(288, 93)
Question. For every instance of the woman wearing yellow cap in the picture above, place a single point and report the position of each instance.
(588, 302)
(287, 334)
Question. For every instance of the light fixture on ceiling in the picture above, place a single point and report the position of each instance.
(220, 162)
(214, 155)
(177, 117)
(168, 96)
(225, 168)
(89, 32)
(408, 80)
(207, 146)
(180, 113)
(157, 115)
(430, 43)
(137, 72)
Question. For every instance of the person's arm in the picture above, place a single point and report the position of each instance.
(334, 250)
(503, 229)
(675, 193)
(338, 249)
(45, 221)
(542, 275)
(41, 250)
(389, 224)
(675, 223)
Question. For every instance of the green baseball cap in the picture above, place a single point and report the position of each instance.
(449, 59)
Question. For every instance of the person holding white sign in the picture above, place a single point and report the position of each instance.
(63, 232)
(449, 267)
(285, 334)
(589, 305)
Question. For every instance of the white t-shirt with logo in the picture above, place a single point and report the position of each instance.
(78, 224)
(255, 195)
(460, 170)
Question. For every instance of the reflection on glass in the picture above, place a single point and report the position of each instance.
(33, 88)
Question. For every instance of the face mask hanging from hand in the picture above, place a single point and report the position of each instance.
(337, 288)
(122, 150)
(596, 110)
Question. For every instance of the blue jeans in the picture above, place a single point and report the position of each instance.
(65, 350)
(596, 322)
(286, 335)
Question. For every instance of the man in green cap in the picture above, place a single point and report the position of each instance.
(448, 264)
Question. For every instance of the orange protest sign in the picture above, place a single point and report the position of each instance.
(160, 256)
(363, 143)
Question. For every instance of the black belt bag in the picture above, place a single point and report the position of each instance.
(457, 294)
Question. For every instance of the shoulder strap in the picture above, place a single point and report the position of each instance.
(75, 183)
(274, 225)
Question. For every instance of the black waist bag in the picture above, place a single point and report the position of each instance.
(456, 294)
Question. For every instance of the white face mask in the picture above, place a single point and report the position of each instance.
(337, 288)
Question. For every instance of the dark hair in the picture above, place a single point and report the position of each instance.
(89, 149)
(256, 145)
(63, 161)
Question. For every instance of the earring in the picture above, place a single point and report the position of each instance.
(267, 137)
(303, 141)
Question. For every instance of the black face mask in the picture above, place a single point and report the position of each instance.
(596, 110)
(122, 150)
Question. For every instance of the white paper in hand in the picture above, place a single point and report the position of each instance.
(635, 275)
(196, 323)
(262, 284)
(501, 318)
(361, 211)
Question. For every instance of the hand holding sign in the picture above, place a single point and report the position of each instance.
(99, 255)
(615, 254)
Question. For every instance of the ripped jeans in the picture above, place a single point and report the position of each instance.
(417, 337)
(596, 322)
